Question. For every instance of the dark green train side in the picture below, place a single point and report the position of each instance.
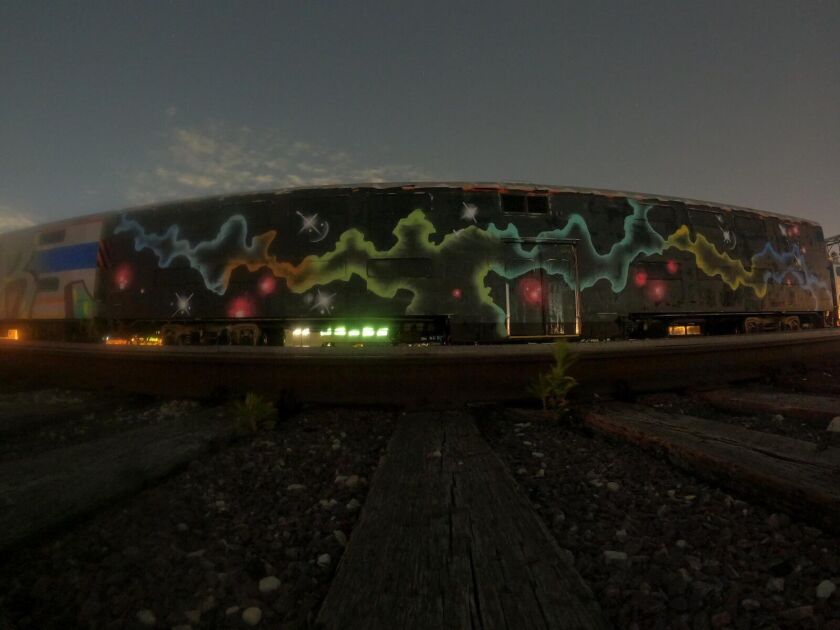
(415, 263)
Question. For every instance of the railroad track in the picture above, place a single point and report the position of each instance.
(410, 375)
(708, 506)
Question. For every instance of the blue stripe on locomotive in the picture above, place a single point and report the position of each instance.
(82, 256)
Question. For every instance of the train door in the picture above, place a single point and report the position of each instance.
(542, 295)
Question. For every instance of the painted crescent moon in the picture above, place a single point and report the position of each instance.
(322, 234)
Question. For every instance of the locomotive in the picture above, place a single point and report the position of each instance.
(415, 263)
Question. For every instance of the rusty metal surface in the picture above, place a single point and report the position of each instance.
(409, 375)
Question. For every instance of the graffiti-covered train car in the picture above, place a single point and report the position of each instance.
(415, 263)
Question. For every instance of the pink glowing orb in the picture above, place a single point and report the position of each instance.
(267, 285)
(530, 291)
(456, 293)
(656, 291)
(672, 266)
(123, 276)
(241, 306)
(640, 278)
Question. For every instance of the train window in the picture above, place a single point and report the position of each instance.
(534, 204)
(51, 238)
(538, 204)
(48, 284)
(513, 203)
(399, 267)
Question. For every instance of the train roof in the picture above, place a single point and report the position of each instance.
(501, 187)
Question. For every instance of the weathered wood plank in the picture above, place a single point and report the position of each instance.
(812, 385)
(817, 409)
(460, 544)
(42, 492)
(784, 472)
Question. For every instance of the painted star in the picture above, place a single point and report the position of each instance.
(182, 304)
(470, 212)
(322, 301)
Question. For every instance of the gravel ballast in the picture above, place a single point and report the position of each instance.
(247, 536)
(661, 549)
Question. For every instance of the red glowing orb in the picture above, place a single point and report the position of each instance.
(123, 275)
(530, 291)
(241, 306)
(672, 266)
(456, 293)
(640, 278)
(267, 285)
(656, 291)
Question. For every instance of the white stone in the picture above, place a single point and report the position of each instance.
(146, 617)
(615, 556)
(681, 544)
(538, 455)
(352, 481)
(324, 560)
(825, 589)
(540, 473)
(193, 616)
(341, 537)
(294, 487)
(621, 535)
(252, 616)
(231, 610)
(834, 425)
(521, 471)
(340, 479)
(269, 584)
(612, 486)
(353, 505)
(778, 418)
(776, 585)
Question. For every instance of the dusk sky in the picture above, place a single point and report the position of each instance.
(111, 104)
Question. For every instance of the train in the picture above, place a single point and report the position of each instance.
(415, 263)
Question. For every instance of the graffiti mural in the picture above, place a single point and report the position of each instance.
(50, 273)
(461, 264)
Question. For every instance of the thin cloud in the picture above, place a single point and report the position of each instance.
(11, 219)
(219, 159)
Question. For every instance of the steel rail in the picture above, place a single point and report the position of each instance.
(410, 375)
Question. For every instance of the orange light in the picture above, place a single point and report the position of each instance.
(134, 341)
(12, 335)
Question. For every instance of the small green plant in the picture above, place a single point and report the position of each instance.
(553, 387)
(254, 413)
